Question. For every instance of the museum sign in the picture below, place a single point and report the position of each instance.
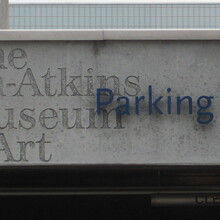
(109, 102)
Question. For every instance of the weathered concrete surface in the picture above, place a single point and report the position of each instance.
(4, 14)
(37, 106)
(106, 34)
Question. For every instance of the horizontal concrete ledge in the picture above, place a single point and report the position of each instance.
(162, 34)
(109, 34)
(149, 2)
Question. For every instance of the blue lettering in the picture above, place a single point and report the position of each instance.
(153, 104)
(102, 92)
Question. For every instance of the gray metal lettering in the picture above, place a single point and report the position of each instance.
(89, 87)
(78, 121)
(43, 117)
(23, 146)
(118, 122)
(132, 85)
(42, 143)
(10, 123)
(71, 85)
(116, 83)
(32, 83)
(92, 114)
(2, 59)
(6, 149)
(27, 118)
(106, 119)
(12, 57)
(47, 83)
(1, 87)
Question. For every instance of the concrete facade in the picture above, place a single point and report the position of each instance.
(48, 92)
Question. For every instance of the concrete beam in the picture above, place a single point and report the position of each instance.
(100, 34)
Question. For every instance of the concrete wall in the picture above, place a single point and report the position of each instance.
(48, 101)
(4, 14)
